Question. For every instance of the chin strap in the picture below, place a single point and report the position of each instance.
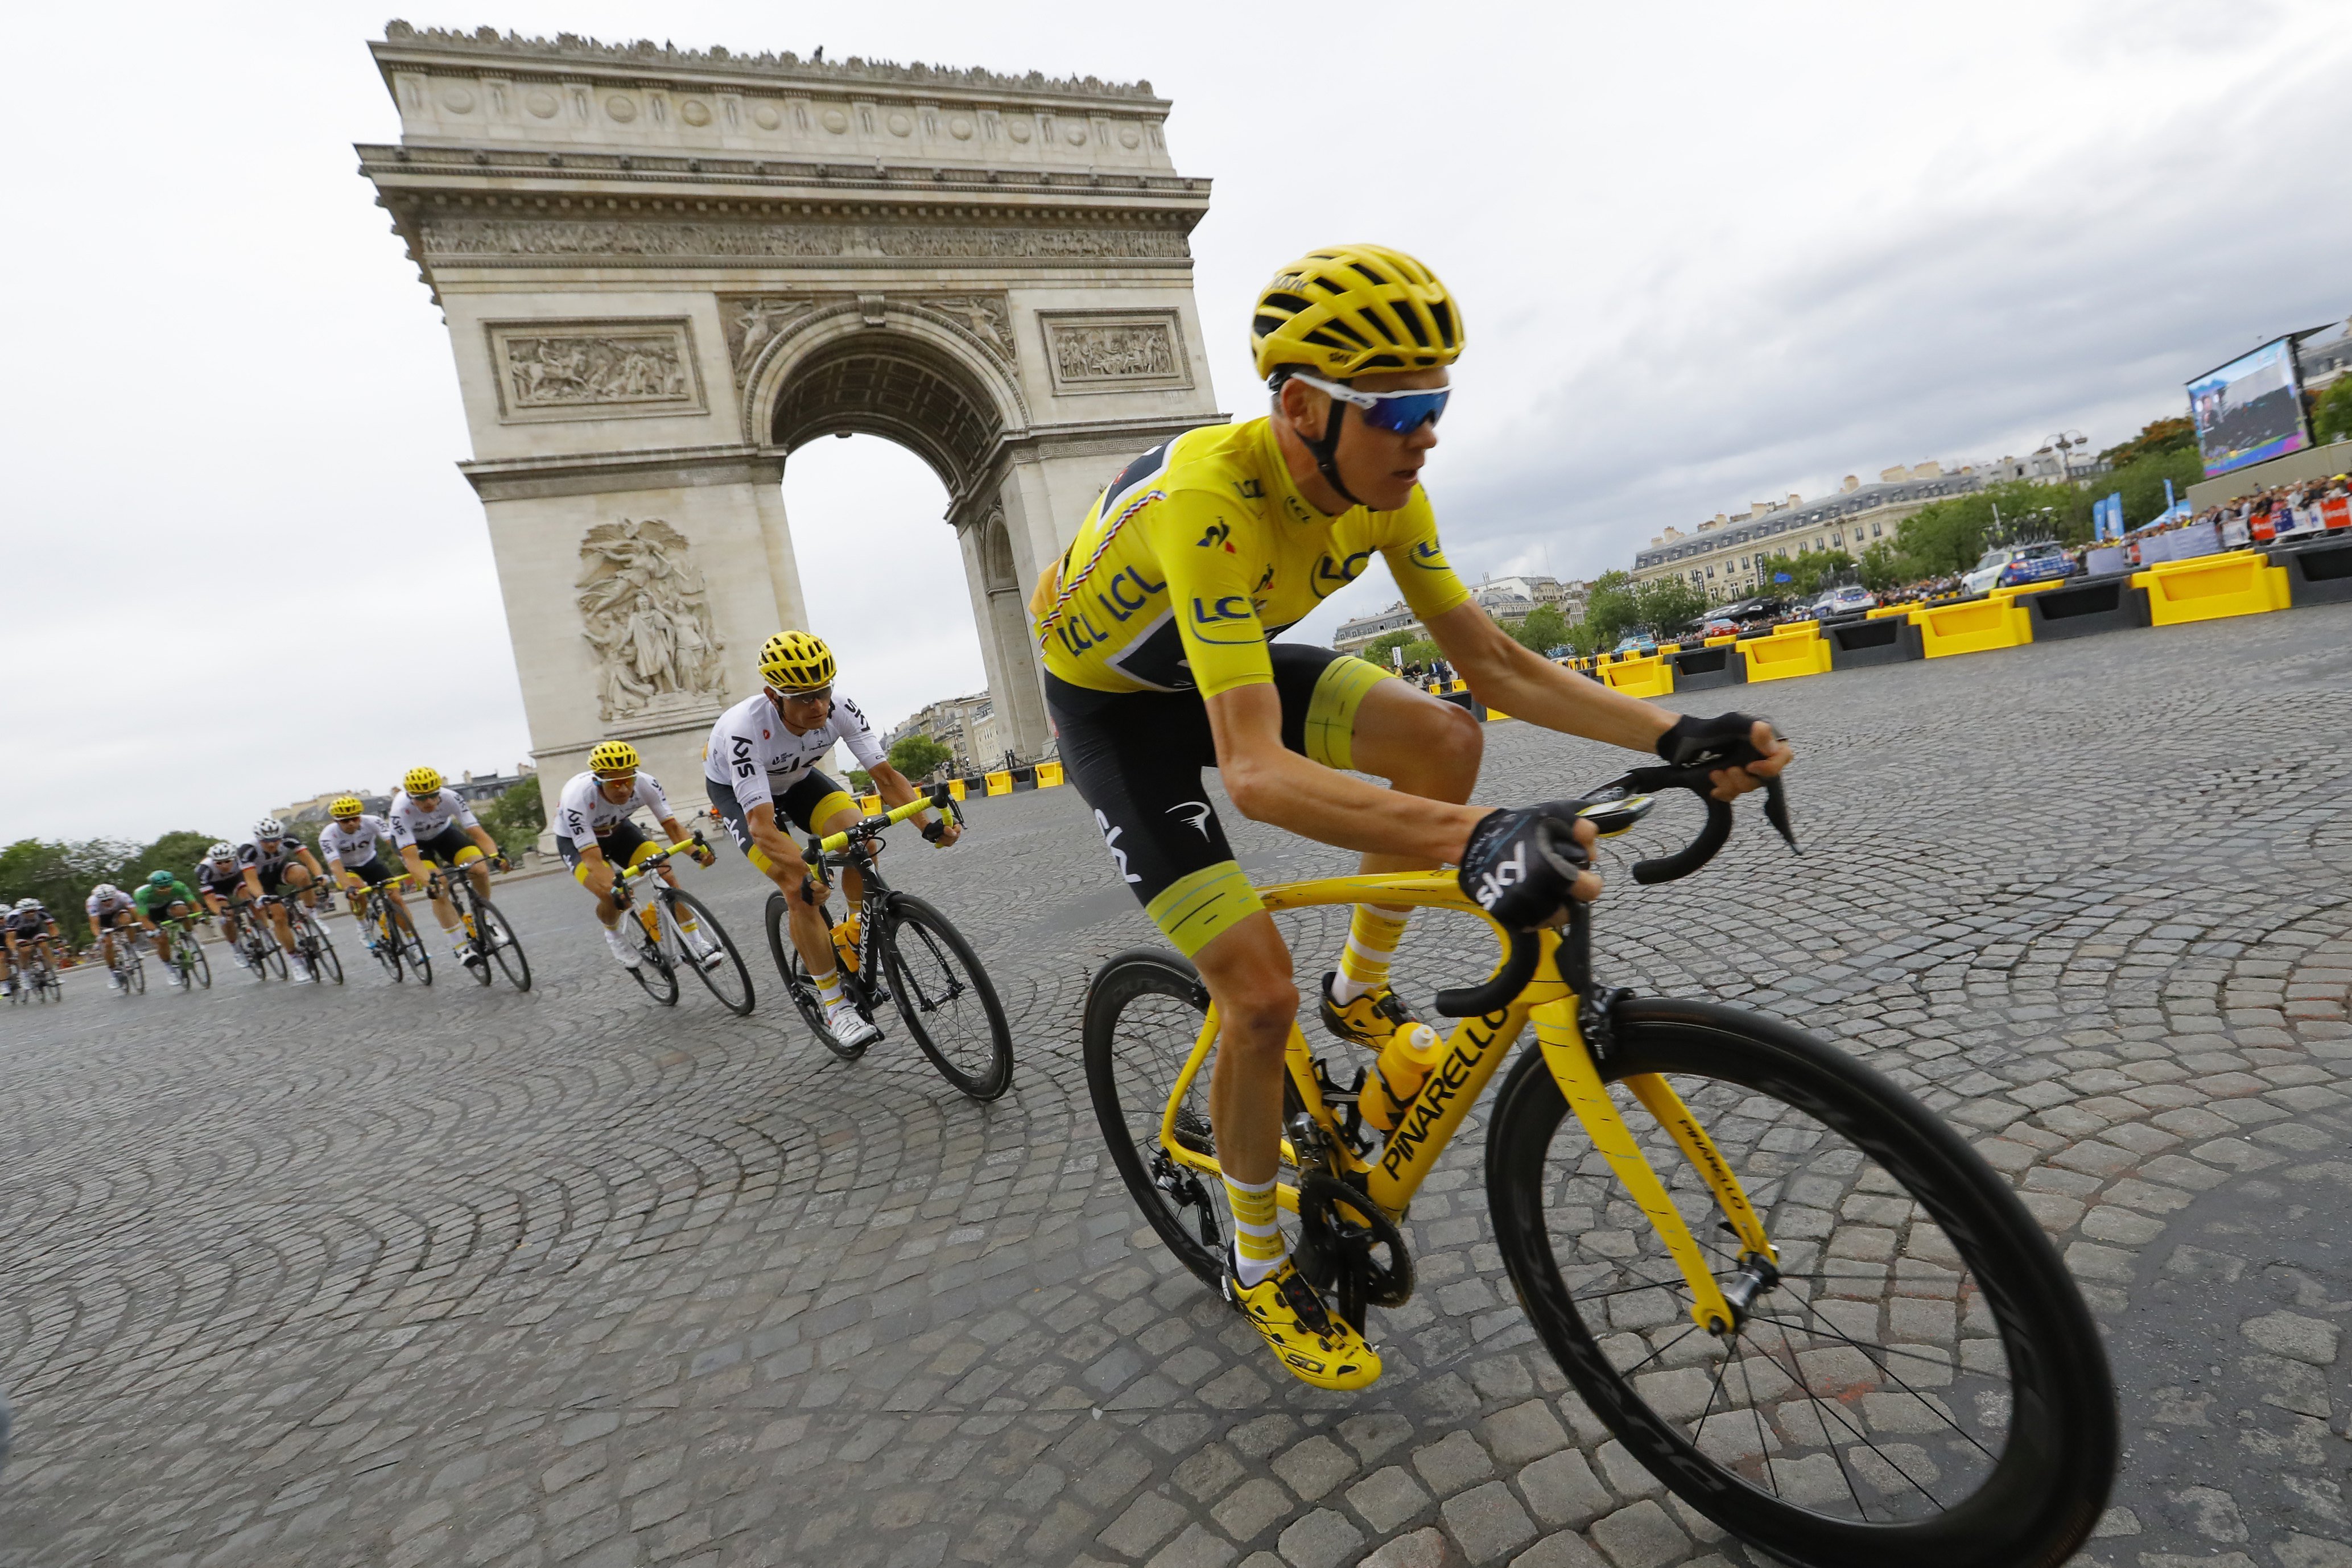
(1325, 449)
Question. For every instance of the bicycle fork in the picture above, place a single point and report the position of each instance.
(1715, 1308)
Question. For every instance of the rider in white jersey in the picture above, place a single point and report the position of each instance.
(595, 838)
(430, 822)
(351, 845)
(761, 765)
(109, 908)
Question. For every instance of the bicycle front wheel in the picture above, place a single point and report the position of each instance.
(1144, 1010)
(499, 939)
(325, 961)
(197, 966)
(272, 960)
(799, 987)
(717, 965)
(1916, 1381)
(944, 994)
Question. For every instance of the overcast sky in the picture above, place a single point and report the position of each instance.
(1707, 254)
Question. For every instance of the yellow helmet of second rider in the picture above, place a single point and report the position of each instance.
(614, 757)
(346, 806)
(1355, 309)
(796, 661)
(420, 781)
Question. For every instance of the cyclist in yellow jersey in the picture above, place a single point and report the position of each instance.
(1156, 631)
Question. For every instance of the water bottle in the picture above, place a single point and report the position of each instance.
(1404, 1065)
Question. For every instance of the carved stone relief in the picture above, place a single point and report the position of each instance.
(752, 319)
(646, 612)
(593, 370)
(1100, 352)
(463, 236)
(984, 314)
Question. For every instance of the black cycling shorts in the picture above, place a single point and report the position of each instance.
(1137, 758)
(371, 871)
(273, 873)
(450, 847)
(813, 798)
(619, 844)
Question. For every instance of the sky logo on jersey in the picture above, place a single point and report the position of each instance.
(1221, 534)
(1111, 842)
(740, 745)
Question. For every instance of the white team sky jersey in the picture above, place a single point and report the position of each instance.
(353, 843)
(582, 812)
(756, 753)
(411, 822)
(96, 907)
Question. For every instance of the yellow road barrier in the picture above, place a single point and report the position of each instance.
(1000, 782)
(1791, 651)
(871, 805)
(2210, 587)
(1048, 775)
(1649, 677)
(1975, 626)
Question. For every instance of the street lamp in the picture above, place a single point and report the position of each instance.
(2067, 443)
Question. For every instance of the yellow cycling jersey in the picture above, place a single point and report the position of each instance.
(1201, 551)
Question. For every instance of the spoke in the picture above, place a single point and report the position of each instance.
(1722, 1367)
(1821, 1411)
(1866, 1349)
(1662, 1350)
(1763, 1443)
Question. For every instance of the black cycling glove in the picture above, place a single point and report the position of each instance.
(1519, 865)
(1726, 741)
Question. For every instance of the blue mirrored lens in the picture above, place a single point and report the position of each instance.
(1404, 413)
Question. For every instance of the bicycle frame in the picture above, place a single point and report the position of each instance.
(1474, 1052)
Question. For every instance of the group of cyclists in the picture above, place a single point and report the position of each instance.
(1156, 632)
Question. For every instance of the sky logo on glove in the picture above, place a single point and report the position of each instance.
(1498, 880)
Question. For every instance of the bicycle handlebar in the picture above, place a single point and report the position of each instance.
(939, 800)
(1495, 995)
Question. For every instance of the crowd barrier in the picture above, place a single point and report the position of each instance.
(1786, 653)
(1716, 663)
(2318, 571)
(2212, 588)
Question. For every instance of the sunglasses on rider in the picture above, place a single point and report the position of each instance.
(1398, 413)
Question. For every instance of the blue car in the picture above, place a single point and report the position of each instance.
(2009, 565)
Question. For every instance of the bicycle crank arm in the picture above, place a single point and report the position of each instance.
(1564, 1052)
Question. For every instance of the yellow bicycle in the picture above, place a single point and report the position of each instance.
(1797, 1297)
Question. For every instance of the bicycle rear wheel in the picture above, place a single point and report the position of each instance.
(195, 964)
(498, 937)
(272, 959)
(724, 974)
(325, 961)
(802, 989)
(1918, 1382)
(944, 994)
(1143, 1014)
(388, 943)
(134, 973)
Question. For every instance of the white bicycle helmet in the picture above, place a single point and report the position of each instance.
(106, 890)
(223, 851)
(269, 827)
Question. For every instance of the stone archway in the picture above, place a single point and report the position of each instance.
(663, 271)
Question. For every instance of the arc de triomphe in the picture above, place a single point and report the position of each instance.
(663, 270)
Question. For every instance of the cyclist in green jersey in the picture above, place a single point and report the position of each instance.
(163, 896)
(1155, 629)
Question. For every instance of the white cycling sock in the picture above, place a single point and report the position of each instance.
(828, 986)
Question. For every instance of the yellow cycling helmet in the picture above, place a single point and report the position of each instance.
(420, 781)
(346, 806)
(617, 757)
(796, 661)
(1352, 310)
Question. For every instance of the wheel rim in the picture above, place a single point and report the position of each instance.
(1140, 1029)
(499, 938)
(728, 980)
(1867, 1397)
(948, 1003)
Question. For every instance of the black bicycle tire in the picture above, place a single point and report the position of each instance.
(487, 919)
(321, 947)
(653, 964)
(906, 909)
(710, 923)
(139, 969)
(271, 954)
(389, 943)
(1142, 971)
(200, 965)
(797, 984)
(2046, 1493)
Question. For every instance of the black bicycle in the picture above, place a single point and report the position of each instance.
(36, 981)
(676, 930)
(250, 940)
(188, 961)
(907, 953)
(130, 965)
(488, 934)
(390, 934)
(311, 942)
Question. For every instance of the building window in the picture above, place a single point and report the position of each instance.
(1874, 530)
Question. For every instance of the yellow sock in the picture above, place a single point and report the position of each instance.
(828, 986)
(1373, 938)
(1258, 1247)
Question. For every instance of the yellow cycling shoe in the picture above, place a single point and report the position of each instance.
(1370, 1021)
(1317, 1347)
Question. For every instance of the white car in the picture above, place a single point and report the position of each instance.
(1846, 601)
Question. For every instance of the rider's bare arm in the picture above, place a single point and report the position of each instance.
(1526, 685)
(1269, 782)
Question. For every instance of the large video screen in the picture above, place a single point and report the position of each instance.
(2250, 409)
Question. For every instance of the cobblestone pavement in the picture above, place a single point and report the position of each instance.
(468, 1277)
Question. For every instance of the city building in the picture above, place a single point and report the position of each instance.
(1732, 557)
(1507, 599)
(967, 726)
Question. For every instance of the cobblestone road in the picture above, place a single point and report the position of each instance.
(379, 1276)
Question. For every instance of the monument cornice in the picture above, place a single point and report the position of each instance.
(602, 473)
(568, 57)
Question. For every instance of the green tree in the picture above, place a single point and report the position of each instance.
(861, 781)
(516, 818)
(1544, 629)
(1881, 568)
(1610, 609)
(2157, 437)
(2142, 482)
(1423, 652)
(1664, 605)
(1585, 637)
(919, 756)
(1379, 649)
(1814, 569)
(176, 852)
(2331, 417)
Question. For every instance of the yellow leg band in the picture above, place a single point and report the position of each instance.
(638, 856)
(760, 860)
(1331, 710)
(580, 873)
(469, 855)
(1196, 909)
(825, 808)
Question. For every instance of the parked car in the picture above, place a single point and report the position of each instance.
(1640, 643)
(1718, 626)
(1849, 600)
(1753, 612)
(2008, 565)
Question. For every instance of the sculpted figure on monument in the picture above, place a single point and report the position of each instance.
(647, 613)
